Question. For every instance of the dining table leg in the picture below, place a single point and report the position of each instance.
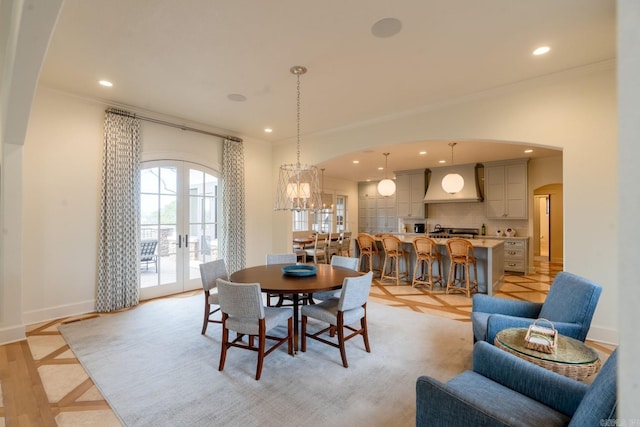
(296, 326)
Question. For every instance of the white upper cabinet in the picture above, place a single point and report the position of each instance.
(506, 189)
(410, 188)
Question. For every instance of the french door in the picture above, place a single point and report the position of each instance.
(179, 217)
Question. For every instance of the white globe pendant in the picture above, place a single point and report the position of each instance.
(452, 183)
(386, 187)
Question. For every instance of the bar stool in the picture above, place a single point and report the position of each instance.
(461, 255)
(368, 250)
(427, 254)
(393, 252)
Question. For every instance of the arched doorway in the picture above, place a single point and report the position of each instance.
(548, 243)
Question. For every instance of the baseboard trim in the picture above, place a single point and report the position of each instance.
(12, 334)
(53, 313)
(603, 335)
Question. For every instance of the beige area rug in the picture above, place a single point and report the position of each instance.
(155, 369)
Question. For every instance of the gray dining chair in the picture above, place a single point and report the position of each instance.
(244, 313)
(288, 258)
(337, 261)
(340, 314)
(209, 272)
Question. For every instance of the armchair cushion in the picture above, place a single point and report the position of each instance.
(504, 390)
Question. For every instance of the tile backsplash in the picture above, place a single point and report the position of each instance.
(471, 215)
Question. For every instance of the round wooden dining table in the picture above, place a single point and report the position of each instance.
(272, 280)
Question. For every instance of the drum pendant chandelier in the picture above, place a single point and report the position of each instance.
(298, 188)
(452, 183)
(386, 187)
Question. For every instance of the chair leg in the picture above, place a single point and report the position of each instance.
(261, 344)
(365, 333)
(468, 280)
(343, 352)
(290, 336)
(225, 343)
(207, 307)
(303, 334)
(451, 276)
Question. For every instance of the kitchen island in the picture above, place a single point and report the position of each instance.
(489, 254)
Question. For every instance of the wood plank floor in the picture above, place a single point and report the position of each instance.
(43, 384)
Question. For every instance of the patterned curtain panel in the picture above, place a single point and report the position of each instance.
(119, 241)
(233, 232)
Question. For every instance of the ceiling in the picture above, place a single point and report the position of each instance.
(187, 58)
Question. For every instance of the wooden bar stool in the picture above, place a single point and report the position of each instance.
(393, 253)
(461, 256)
(427, 254)
(368, 250)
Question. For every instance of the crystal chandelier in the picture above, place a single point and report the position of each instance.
(452, 183)
(298, 188)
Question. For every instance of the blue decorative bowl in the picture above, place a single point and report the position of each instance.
(299, 270)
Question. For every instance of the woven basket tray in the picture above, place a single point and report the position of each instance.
(541, 338)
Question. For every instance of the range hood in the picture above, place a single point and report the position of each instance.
(473, 175)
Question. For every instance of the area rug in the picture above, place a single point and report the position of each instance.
(155, 369)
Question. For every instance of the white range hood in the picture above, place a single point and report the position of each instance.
(473, 175)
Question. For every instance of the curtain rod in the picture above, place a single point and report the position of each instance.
(162, 122)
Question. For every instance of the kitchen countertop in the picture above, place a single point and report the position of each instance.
(487, 237)
(486, 242)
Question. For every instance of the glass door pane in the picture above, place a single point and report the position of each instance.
(179, 212)
(203, 221)
(159, 224)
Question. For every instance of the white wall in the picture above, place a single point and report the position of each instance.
(575, 111)
(61, 195)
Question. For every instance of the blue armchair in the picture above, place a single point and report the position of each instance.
(504, 390)
(570, 305)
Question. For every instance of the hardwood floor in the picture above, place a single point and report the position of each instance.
(43, 384)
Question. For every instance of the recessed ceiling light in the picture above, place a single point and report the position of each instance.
(105, 83)
(355, 162)
(380, 168)
(541, 50)
(422, 153)
(528, 151)
(442, 161)
(236, 97)
(268, 130)
(386, 27)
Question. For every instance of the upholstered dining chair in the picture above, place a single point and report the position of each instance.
(570, 304)
(209, 273)
(244, 313)
(319, 250)
(340, 314)
(337, 261)
(289, 258)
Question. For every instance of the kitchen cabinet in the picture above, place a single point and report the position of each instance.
(410, 188)
(376, 213)
(506, 189)
(516, 254)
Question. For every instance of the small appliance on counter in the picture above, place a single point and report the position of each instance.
(418, 228)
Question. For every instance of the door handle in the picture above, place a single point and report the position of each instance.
(179, 240)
